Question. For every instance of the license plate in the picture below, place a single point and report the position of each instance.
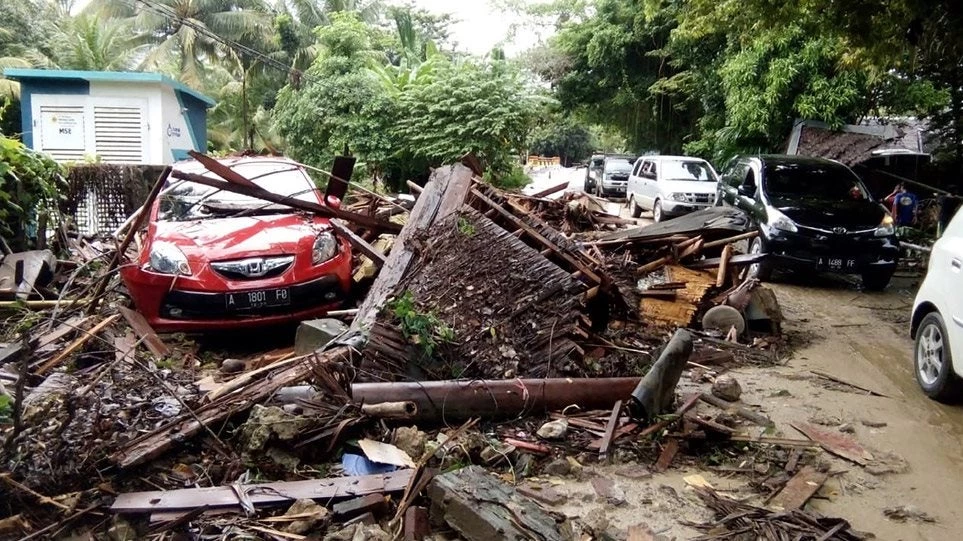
(261, 298)
(838, 263)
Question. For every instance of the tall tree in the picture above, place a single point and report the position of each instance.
(190, 32)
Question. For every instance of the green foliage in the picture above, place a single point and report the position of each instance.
(423, 329)
(465, 227)
(28, 182)
(565, 137)
(6, 409)
(399, 120)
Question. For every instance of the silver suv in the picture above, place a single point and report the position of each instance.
(670, 186)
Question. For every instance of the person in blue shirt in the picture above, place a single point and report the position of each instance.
(902, 205)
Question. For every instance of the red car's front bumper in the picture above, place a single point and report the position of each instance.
(185, 304)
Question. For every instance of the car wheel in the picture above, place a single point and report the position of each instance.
(762, 270)
(876, 281)
(933, 361)
(657, 214)
(634, 208)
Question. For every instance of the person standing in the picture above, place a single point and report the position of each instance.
(902, 205)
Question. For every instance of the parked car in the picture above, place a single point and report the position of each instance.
(614, 175)
(593, 172)
(213, 259)
(937, 321)
(813, 215)
(670, 186)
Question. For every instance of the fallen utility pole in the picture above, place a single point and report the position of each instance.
(293, 202)
(656, 390)
(448, 400)
(261, 495)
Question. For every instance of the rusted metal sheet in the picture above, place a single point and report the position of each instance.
(448, 400)
(265, 494)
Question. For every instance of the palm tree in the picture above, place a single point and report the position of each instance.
(86, 42)
(192, 32)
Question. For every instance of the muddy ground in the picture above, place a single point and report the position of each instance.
(861, 337)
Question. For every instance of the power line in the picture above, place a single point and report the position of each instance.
(170, 14)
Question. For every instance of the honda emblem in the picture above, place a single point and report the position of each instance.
(255, 268)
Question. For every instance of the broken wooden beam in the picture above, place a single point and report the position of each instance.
(189, 424)
(737, 260)
(291, 201)
(798, 490)
(730, 240)
(610, 427)
(836, 443)
(480, 507)
(359, 243)
(220, 169)
(464, 399)
(261, 495)
(75, 345)
(145, 332)
(669, 450)
(549, 191)
(752, 416)
(724, 265)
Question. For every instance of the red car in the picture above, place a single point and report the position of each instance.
(213, 259)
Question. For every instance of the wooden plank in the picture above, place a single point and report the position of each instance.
(541, 239)
(359, 243)
(482, 508)
(738, 260)
(799, 489)
(752, 416)
(840, 380)
(264, 494)
(221, 170)
(724, 265)
(62, 330)
(784, 442)
(836, 443)
(145, 332)
(669, 451)
(75, 345)
(189, 424)
(549, 191)
(730, 240)
(687, 405)
(610, 430)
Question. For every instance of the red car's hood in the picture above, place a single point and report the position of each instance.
(235, 238)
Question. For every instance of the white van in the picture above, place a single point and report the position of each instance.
(670, 186)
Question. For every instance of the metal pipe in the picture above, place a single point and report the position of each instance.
(463, 399)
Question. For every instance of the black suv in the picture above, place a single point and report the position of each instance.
(813, 214)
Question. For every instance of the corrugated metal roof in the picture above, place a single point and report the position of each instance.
(20, 74)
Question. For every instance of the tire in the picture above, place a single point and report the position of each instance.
(876, 281)
(634, 209)
(761, 271)
(933, 361)
(657, 214)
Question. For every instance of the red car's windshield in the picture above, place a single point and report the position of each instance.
(191, 201)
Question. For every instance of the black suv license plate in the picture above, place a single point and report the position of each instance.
(261, 298)
(838, 263)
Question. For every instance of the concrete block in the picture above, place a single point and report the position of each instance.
(316, 333)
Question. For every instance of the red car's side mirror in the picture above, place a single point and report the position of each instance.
(333, 202)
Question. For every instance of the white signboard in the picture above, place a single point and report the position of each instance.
(62, 130)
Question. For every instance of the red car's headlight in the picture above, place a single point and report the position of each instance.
(166, 258)
(325, 248)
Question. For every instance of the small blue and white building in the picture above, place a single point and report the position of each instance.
(114, 117)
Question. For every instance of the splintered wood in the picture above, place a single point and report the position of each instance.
(680, 310)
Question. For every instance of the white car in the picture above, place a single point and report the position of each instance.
(670, 186)
(937, 323)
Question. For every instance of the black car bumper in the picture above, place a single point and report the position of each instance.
(839, 253)
(199, 305)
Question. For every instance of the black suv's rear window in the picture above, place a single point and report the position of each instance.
(817, 181)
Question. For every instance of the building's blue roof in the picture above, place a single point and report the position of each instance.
(19, 74)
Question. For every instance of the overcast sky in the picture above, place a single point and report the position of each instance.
(479, 25)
